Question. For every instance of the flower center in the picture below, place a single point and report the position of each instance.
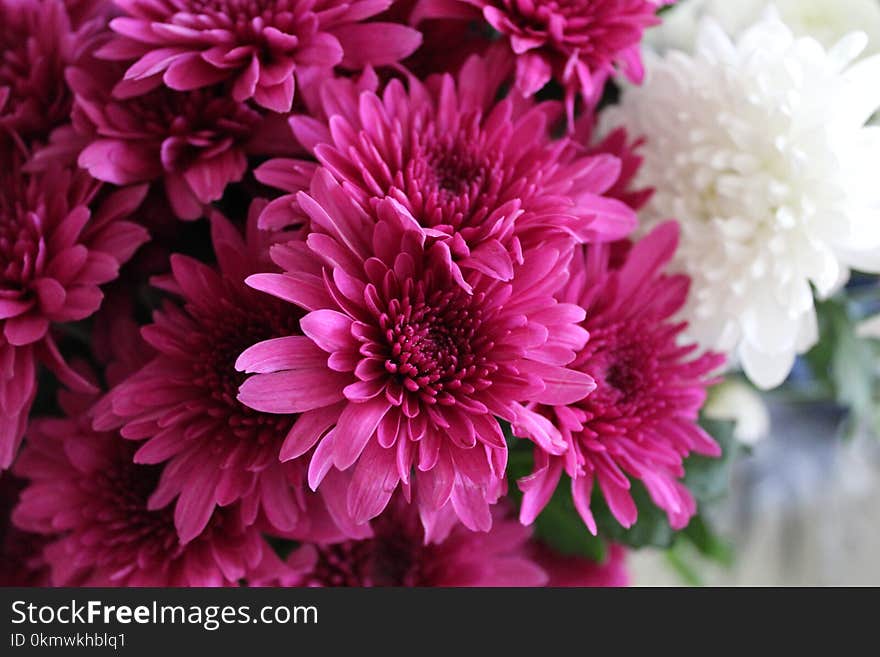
(131, 535)
(451, 180)
(435, 345)
(223, 334)
(624, 359)
(624, 375)
(190, 125)
(395, 557)
(245, 18)
(120, 491)
(456, 171)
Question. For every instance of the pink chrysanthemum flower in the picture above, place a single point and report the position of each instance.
(89, 497)
(196, 143)
(399, 554)
(258, 45)
(405, 361)
(575, 571)
(640, 421)
(54, 253)
(37, 42)
(484, 175)
(183, 404)
(579, 43)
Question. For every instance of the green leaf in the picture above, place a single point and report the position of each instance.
(650, 530)
(708, 478)
(843, 361)
(560, 526)
(699, 534)
(679, 557)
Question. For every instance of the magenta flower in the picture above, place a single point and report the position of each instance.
(195, 142)
(579, 43)
(484, 175)
(54, 253)
(91, 500)
(570, 570)
(399, 554)
(640, 422)
(257, 46)
(183, 404)
(406, 361)
(37, 42)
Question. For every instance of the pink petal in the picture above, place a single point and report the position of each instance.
(374, 480)
(191, 71)
(13, 307)
(329, 329)
(533, 71)
(293, 352)
(292, 391)
(356, 425)
(25, 329)
(376, 44)
(307, 430)
(278, 98)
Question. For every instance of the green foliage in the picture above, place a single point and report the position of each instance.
(560, 525)
(650, 530)
(842, 363)
(708, 478)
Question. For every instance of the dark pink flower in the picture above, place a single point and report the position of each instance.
(260, 46)
(183, 404)
(484, 175)
(579, 43)
(571, 571)
(37, 42)
(399, 554)
(59, 241)
(640, 421)
(89, 497)
(407, 360)
(196, 143)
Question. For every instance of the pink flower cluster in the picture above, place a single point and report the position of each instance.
(282, 272)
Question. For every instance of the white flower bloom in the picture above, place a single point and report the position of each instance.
(739, 402)
(759, 148)
(825, 20)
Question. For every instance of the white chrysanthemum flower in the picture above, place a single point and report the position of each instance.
(825, 20)
(759, 148)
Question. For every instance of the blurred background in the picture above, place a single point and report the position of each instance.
(803, 509)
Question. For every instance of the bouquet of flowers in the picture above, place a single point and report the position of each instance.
(415, 292)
